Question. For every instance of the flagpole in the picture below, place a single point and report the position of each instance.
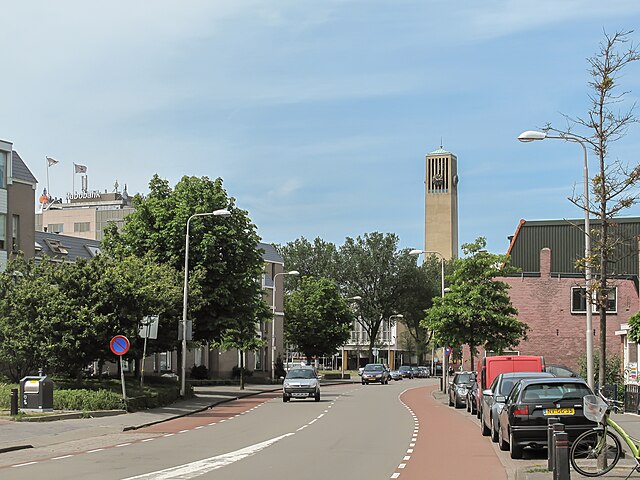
(48, 189)
(73, 182)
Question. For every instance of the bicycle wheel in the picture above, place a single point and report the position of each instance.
(594, 453)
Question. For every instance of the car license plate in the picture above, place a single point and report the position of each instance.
(559, 411)
(300, 394)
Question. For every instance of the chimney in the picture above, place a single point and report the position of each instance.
(545, 263)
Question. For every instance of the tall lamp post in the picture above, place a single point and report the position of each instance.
(273, 324)
(357, 298)
(395, 315)
(530, 136)
(442, 290)
(216, 213)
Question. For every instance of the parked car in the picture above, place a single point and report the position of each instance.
(405, 371)
(494, 397)
(472, 397)
(424, 371)
(395, 375)
(458, 388)
(375, 372)
(437, 370)
(523, 420)
(416, 372)
(490, 367)
(301, 382)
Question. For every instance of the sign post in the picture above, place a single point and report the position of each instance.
(148, 329)
(120, 345)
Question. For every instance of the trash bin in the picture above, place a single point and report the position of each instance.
(36, 394)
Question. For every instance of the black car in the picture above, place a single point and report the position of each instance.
(523, 420)
(494, 397)
(375, 372)
(405, 371)
(472, 397)
(458, 388)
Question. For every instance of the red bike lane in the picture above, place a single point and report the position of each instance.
(446, 445)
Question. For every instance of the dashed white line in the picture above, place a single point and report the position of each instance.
(410, 450)
(148, 440)
(395, 475)
(402, 465)
(60, 458)
(23, 464)
(406, 458)
(123, 445)
(168, 434)
(97, 450)
(199, 427)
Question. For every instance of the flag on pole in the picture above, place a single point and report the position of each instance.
(52, 161)
(80, 168)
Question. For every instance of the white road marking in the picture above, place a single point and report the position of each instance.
(406, 458)
(60, 458)
(302, 428)
(96, 450)
(410, 450)
(395, 475)
(200, 467)
(183, 431)
(402, 465)
(23, 464)
(123, 445)
(148, 440)
(199, 427)
(168, 435)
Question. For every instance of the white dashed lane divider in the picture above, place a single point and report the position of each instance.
(412, 443)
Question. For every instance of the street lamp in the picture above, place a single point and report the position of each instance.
(442, 290)
(216, 213)
(356, 298)
(273, 324)
(530, 136)
(395, 315)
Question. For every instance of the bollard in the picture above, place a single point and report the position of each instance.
(561, 463)
(551, 421)
(14, 401)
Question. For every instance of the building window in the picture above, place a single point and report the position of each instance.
(3, 169)
(3, 231)
(15, 233)
(55, 228)
(579, 301)
(80, 227)
(165, 361)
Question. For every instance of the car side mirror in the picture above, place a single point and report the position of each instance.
(488, 393)
(501, 399)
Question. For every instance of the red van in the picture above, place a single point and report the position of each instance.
(490, 367)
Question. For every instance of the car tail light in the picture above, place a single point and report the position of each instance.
(521, 410)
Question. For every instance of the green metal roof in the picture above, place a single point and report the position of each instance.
(565, 238)
(440, 151)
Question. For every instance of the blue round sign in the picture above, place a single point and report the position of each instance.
(447, 350)
(119, 344)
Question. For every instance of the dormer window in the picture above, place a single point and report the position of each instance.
(56, 246)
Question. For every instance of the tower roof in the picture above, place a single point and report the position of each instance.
(440, 151)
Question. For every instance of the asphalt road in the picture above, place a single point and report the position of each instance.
(355, 431)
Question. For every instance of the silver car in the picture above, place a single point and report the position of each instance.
(494, 397)
(301, 382)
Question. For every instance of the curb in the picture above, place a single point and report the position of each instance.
(74, 415)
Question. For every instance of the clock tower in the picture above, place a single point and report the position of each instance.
(441, 204)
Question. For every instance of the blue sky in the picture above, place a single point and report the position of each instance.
(317, 115)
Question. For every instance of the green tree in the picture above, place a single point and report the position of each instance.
(477, 311)
(373, 268)
(317, 259)
(223, 252)
(318, 317)
(615, 184)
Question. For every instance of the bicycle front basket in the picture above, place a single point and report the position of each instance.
(594, 408)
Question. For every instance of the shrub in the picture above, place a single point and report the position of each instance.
(199, 372)
(86, 400)
(235, 372)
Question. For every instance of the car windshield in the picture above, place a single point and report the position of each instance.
(404, 369)
(301, 373)
(506, 386)
(555, 391)
(464, 378)
(373, 368)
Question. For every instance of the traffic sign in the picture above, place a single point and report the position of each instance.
(119, 344)
(447, 350)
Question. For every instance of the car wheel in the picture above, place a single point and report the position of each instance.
(494, 433)
(484, 428)
(504, 446)
(317, 397)
(515, 451)
(285, 398)
(364, 383)
(450, 402)
(468, 406)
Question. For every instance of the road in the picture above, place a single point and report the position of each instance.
(360, 432)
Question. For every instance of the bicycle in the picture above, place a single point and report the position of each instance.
(597, 451)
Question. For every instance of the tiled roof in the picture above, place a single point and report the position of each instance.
(19, 170)
(269, 253)
(64, 247)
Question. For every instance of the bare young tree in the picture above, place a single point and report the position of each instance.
(615, 185)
